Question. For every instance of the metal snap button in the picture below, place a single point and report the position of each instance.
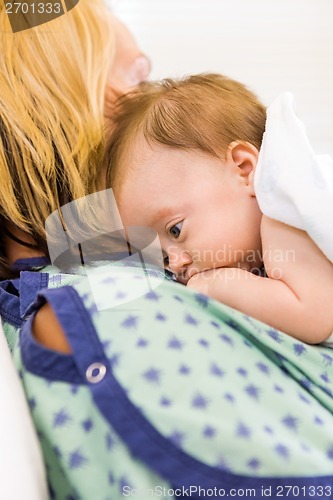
(95, 373)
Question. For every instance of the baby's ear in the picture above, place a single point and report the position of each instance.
(244, 156)
(250, 183)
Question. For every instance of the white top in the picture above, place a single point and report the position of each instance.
(22, 473)
(292, 184)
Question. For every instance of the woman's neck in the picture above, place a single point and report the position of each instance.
(16, 250)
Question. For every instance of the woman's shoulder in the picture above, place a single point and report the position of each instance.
(48, 331)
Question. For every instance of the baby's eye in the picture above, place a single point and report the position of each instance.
(176, 230)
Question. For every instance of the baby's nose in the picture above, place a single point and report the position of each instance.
(178, 262)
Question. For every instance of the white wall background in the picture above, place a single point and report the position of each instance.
(270, 45)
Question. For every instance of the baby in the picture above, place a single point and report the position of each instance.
(182, 160)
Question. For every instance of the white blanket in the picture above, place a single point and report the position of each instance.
(22, 473)
(292, 184)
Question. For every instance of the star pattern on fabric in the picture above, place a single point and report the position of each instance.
(328, 360)
(106, 344)
(151, 295)
(165, 401)
(229, 397)
(77, 460)
(243, 430)
(299, 349)
(61, 418)
(160, 317)
(216, 370)
(201, 299)
(209, 431)
(120, 295)
(87, 425)
(254, 463)
(184, 370)
(318, 420)
(263, 368)
(74, 389)
(253, 391)
(232, 324)
(109, 441)
(175, 343)
(115, 359)
(177, 438)
(93, 309)
(199, 401)
(85, 297)
(109, 280)
(142, 342)
(275, 335)
(226, 339)
(190, 320)
(152, 375)
(325, 378)
(124, 483)
(282, 451)
(290, 422)
(330, 452)
(32, 403)
(154, 273)
(178, 299)
(304, 398)
(130, 322)
(203, 343)
(222, 464)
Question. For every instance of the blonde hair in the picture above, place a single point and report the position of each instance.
(52, 81)
(205, 112)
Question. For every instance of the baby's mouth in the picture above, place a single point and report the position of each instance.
(181, 279)
(186, 275)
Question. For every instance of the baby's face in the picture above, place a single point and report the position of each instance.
(201, 207)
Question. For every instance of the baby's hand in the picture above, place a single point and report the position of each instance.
(205, 282)
(226, 284)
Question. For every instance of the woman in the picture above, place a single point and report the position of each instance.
(57, 81)
(150, 397)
